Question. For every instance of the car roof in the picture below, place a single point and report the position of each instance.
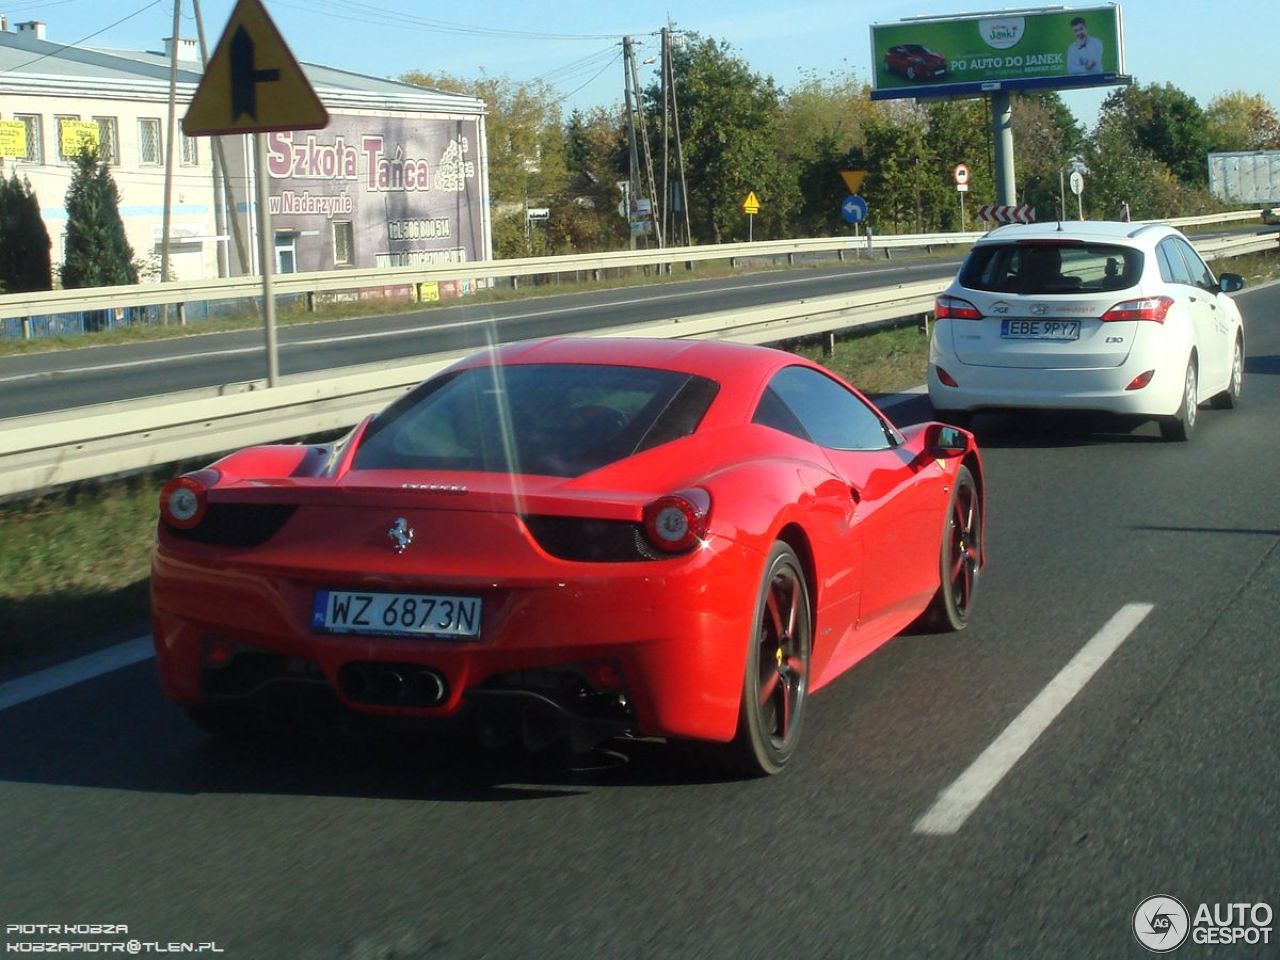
(1110, 230)
(720, 360)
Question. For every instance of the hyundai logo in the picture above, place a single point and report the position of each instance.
(401, 535)
(1039, 309)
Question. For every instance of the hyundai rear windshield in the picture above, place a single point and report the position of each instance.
(559, 420)
(1048, 268)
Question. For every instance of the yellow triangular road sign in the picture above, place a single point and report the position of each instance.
(853, 179)
(751, 205)
(252, 83)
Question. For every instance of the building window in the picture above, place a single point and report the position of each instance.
(190, 156)
(149, 142)
(108, 140)
(343, 244)
(286, 251)
(35, 140)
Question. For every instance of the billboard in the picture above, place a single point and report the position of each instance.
(1252, 177)
(1019, 50)
(372, 191)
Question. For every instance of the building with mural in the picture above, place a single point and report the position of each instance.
(398, 177)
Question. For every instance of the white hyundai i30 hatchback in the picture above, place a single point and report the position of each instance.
(1118, 317)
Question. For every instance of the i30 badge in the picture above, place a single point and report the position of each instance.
(401, 535)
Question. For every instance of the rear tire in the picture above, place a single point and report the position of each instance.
(960, 557)
(1179, 427)
(775, 680)
(1229, 398)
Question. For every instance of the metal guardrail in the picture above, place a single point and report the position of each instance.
(235, 288)
(49, 450)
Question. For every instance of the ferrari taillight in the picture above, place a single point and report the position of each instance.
(1146, 308)
(184, 499)
(954, 308)
(678, 522)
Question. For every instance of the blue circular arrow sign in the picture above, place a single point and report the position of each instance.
(854, 209)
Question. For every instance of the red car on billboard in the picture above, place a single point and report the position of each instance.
(915, 62)
(565, 541)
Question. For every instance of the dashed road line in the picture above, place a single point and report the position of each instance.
(68, 674)
(958, 801)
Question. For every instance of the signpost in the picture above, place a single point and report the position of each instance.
(854, 209)
(751, 206)
(253, 84)
(1077, 187)
(961, 176)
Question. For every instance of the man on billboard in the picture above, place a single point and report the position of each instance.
(1085, 53)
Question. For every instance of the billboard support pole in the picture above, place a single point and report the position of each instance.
(1002, 134)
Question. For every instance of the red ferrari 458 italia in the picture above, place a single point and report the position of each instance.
(570, 540)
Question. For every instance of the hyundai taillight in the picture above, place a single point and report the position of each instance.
(1146, 308)
(1141, 380)
(678, 522)
(954, 308)
(184, 499)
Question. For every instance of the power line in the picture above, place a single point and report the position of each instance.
(326, 8)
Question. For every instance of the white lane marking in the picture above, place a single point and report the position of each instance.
(959, 800)
(75, 671)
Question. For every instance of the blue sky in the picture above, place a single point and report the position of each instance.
(574, 44)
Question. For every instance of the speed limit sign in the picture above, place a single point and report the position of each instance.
(961, 174)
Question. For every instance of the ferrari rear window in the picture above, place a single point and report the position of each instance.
(559, 420)
(1041, 268)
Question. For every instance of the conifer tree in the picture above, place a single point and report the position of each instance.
(24, 241)
(97, 254)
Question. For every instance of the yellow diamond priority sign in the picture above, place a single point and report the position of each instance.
(252, 83)
(751, 205)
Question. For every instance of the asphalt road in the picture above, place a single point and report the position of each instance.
(1159, 777)
(42, 382)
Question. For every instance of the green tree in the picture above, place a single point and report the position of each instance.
(729, 121)
(1166, 123)
(524, 133)
(958, 132)
(897, 143)
(24, 241)
(820, 124)
(1240, 121)
(97, 253)
(586, 217)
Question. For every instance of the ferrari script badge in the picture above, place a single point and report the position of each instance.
(401, 535)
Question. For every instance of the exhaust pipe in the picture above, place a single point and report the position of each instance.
(392, 684)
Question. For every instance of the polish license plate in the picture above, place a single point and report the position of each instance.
(395, 614)
(1017, 329)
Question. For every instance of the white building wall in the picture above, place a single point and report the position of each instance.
(193, 255)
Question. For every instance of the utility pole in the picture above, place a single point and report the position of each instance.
(168, 155)
(675, 122)
(647, 155)
(633, 177)
(666, 138)
(221, 179)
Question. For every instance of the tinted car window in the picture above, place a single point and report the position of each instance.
(553, 419)
(1170, 257)
(820, 410)
(1200, 274)
(1046, 268)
